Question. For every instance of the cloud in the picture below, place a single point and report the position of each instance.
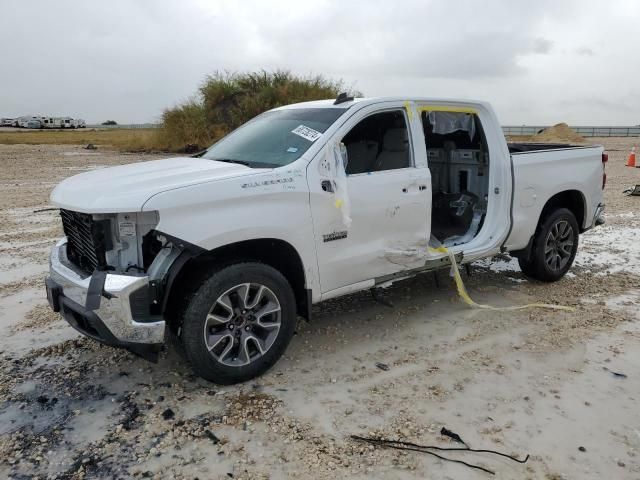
(542, 46)
(128, 60)
(585, 51)
(426, 39)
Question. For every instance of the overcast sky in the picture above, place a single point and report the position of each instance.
(536, 61)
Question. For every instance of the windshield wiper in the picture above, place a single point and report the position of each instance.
(232, 160)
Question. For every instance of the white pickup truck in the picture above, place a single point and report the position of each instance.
(305, 203)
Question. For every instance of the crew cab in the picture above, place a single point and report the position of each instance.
(302, 204)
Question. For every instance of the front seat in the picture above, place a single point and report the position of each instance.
(362, 156)
(395, 150)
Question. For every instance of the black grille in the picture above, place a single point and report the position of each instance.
(88, 240)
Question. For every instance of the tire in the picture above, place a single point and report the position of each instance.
(241, 340)
(554, 247)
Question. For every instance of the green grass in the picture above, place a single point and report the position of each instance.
(122, 139)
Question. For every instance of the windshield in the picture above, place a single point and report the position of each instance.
(275, 138)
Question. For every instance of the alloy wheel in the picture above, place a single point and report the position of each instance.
(242, 324)
(558, 246)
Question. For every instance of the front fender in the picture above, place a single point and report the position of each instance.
(271, 205)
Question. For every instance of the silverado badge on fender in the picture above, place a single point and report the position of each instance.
(330, 237)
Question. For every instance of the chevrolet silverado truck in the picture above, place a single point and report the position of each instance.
(305, 203)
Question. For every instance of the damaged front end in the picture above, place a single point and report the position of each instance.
(109, 275)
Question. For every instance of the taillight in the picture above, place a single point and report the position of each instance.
(605, 157)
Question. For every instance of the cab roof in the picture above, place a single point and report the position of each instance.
(363, 101)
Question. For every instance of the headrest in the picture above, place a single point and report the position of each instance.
(395, 140)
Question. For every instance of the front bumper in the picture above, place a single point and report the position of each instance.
(100, 305)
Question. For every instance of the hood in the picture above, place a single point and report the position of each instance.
(126, 188)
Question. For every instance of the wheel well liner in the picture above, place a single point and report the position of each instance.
(276, 253)
(572, 200)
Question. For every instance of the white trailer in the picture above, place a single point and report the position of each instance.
(23, 122)
(50, 122)
(62, 122)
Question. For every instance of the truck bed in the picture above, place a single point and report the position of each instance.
(542, 170)
(518, 147)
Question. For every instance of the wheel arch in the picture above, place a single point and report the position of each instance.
(274, 252)
(573, 200)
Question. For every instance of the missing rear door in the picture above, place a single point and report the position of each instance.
(458, 159)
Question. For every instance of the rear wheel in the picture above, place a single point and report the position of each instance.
(554, 247)
(238, 323)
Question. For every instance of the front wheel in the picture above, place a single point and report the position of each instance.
(238, 323)
(554, 247)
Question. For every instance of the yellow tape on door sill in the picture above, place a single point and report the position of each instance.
(462, 291)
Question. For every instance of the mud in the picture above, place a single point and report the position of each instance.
(535, 381)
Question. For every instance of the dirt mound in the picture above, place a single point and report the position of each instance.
(559, 133)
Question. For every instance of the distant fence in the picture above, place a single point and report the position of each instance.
(127, 126)
(584, 131)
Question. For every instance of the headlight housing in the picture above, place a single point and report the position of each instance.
(129, 231)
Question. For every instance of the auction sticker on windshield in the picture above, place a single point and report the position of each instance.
(307, 133)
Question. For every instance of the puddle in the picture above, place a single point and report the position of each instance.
(499, 264)
(35, 415)
(610, 249)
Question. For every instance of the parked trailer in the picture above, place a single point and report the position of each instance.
(23, 122)
(52, 122)
(63, 122)
(66, 122)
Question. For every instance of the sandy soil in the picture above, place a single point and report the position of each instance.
(532, 382)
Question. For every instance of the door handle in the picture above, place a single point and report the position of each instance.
(420, 188)
(327, 186)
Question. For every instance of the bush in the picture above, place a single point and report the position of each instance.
(183, 125)
(227, 100)
(110, 122)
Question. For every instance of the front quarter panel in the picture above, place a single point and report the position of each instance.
(273, 204)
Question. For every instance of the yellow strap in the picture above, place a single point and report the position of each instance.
(446, 108)
(462, 291)
(407, 105)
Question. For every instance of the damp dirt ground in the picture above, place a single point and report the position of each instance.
(562, 387)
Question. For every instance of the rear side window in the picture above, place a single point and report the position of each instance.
(379, 142)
